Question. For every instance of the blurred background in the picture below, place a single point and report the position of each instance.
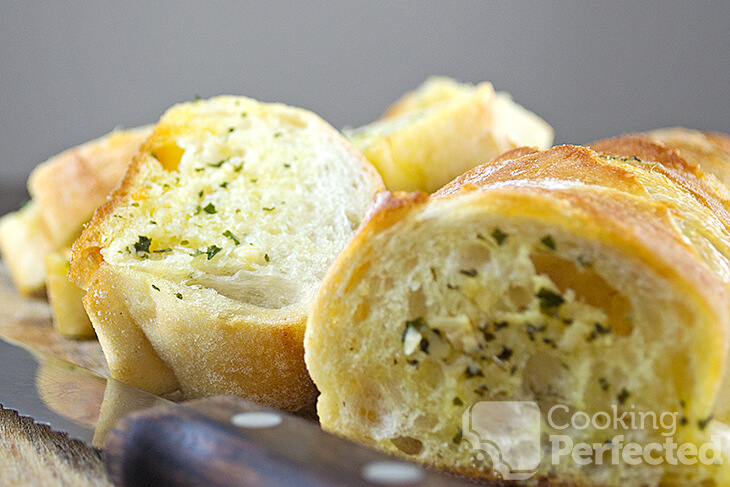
(72, 71)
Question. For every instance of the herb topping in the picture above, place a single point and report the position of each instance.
(143, 244)
(499, 236)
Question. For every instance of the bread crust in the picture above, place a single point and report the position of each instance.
(710, 150)
(159, 343)
(444, 128)
(24, 241)
(65, 190)
(630, 165)
(86, 255)
(685, 173)
(71, 185)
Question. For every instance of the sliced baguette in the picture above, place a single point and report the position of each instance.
(65, 191)
(444, 128)
(71, 185)
(64, 297)
(201, 268)
(24, 242)
(558, 277)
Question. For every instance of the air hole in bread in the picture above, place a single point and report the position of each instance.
(417, 303)
(518, 298)
(408, 445)
(543, 375)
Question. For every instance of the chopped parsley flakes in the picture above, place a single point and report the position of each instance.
(549, 299)
(505, 354)
(230, 235)
(548, 242)
(499, 236)
(143, 244)
(212, 251)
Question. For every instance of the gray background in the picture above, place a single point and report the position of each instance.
(72, 71)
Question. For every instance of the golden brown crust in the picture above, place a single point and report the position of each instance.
(641, 146)
(686, 174)
(86, 250)
(387, 204)
(561, 163)
(70, 186)
(637, 157)
(515, 153)
(708, 150)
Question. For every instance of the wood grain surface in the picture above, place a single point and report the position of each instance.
(32, 454)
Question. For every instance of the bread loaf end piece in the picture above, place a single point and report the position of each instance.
(24, 242)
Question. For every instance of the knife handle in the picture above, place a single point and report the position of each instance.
(226, 441)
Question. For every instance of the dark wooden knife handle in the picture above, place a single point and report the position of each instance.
(226, 441)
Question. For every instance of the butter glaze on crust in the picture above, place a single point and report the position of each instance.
(709, 149)
(686, 173)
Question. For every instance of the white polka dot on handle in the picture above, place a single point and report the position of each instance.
(256, 420)
(392, 473)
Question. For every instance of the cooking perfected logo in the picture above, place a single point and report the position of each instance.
(508, 433)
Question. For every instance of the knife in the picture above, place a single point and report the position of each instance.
(220, 441)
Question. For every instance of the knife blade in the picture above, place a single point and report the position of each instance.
(220, 441)
(69, 398)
